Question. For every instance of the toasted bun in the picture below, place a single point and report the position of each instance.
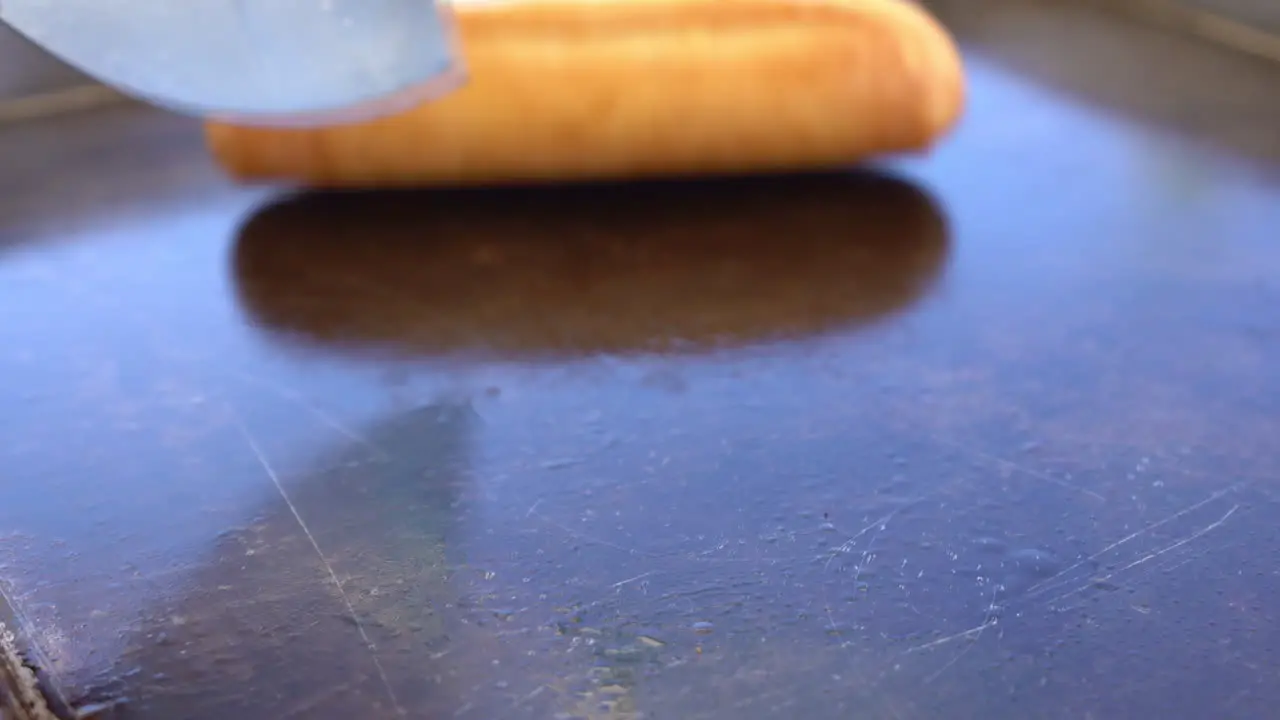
(616, 89)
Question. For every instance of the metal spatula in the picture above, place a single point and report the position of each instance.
(295, 62)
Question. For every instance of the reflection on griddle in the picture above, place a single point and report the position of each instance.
(263, 633)
(544, 273)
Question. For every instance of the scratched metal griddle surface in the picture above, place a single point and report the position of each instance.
(984, 435)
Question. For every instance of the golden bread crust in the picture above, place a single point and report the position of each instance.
(603, 89)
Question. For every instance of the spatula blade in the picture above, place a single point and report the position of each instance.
(255, 61)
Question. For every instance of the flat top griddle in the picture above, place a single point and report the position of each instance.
(988, 434)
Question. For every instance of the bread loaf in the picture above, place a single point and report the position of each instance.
(561, 90)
